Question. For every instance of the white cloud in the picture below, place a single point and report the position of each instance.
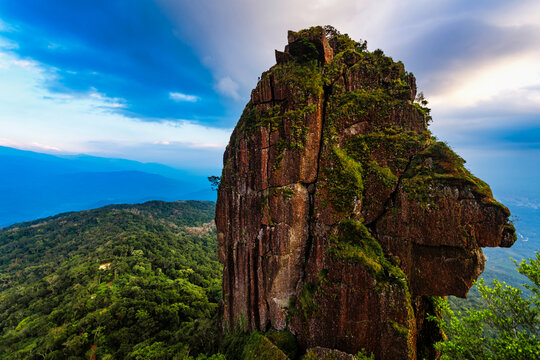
(24, 63)
(525, 12)
(34, 118)
(495, 78)
(178, 97)
(45, 147)
(6, 44)
(104, 101)
(493, 67)
(228, 87)
(523, 202)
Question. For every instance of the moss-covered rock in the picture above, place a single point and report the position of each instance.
(259, 347)
(338, 210)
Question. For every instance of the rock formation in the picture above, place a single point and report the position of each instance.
(339, 215)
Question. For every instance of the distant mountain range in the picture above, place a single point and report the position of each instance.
(35, 185)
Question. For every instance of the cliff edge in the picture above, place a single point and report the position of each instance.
(339, 215)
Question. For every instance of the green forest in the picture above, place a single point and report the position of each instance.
(130, 281)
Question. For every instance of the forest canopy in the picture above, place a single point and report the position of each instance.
(130, 281)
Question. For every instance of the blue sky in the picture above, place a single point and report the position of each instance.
(165, 81)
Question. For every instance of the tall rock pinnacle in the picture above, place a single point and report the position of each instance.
(339, 216)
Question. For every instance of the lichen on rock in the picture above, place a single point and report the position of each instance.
(339, 215)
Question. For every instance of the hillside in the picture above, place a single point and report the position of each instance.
(123, 281)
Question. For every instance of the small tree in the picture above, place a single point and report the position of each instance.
(421, 99)
(507, 327)
(214, 182)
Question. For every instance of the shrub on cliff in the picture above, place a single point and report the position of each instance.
(507, 327)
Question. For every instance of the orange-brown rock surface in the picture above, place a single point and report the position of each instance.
(339, 216)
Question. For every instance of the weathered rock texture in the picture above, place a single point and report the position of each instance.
(339, 216)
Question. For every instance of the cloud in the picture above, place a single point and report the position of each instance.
(86, 124)
(228, 87)
(466, 56)
(24, 63)
(131, 53)
(524, 202)
(218, 49)
(176, 96)
(477, 63)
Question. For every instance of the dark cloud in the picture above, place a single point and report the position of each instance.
(123, 49)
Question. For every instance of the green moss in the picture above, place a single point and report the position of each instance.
(378, 72)
(297, 134)
(314, 31)
(305, 304)
(284, 192)
(343, 182)
(311, 355)
(400, 89)
(358, 103)
(253, 118)
(241, 345)
(297, 128)
(399, 329)
(305, 84)
(363, 355)
(287, 193)
(259, 347)
(233, 344)
(383, 174)
(304, 80)
(425, 111)
(329, 354)
(342, 42)
(393, 144)
(285, 341)
(438, 165)
(306, 299)
(399, 144)
(334, 69)
(354, 243)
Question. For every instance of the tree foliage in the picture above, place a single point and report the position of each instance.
(507, 326)
(121, 282)
(214, 182)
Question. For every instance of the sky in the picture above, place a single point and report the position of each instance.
(166, 80)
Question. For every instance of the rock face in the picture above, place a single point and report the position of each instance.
(339, 216)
